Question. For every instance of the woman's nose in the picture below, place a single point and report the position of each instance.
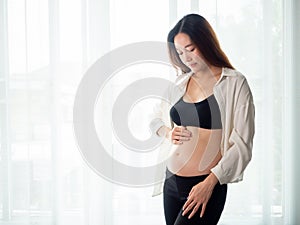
(186, 57)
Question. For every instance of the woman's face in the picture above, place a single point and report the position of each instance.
(189, 53)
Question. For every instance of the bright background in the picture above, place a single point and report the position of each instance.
(45, 48)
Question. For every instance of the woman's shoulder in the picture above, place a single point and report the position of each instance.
(182, 78)
(234, 75)
(239, 81)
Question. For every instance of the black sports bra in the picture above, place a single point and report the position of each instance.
(204, 114)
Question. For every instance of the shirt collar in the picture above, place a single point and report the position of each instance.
(226, 72)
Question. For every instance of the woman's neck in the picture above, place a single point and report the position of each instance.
(208, 75)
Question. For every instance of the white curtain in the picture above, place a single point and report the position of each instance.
(45, 49)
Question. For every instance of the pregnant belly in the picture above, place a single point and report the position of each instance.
(197, 155)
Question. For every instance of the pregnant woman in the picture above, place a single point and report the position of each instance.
(211, 125)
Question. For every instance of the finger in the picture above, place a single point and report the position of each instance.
(179, 129)
(185, 133)
(194, 210)
(203, 209)
(180, 134)
(180, 138)
(177, 142)
(189, 200)
(177, 137)
(182, 128)
(184, 138)
(189, 207)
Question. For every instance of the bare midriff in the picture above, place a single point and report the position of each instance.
(198, 155)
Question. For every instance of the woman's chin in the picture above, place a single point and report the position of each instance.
(195, 68)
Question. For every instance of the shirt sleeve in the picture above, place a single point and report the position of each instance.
(235, 159)
(160, 114)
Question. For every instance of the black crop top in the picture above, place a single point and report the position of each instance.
(204, 114)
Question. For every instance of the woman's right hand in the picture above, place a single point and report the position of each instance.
(179, 134)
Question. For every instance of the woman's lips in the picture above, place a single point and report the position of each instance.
(193, 64)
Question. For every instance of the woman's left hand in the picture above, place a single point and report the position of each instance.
(199, 195)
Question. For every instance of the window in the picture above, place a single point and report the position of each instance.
(45, 50)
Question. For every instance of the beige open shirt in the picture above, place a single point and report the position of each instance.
(235, 100)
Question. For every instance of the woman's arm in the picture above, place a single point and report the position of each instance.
(163, 131)
(238, 155)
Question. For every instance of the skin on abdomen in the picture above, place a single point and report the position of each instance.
(197, 155)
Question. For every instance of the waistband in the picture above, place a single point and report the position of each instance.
(169, 174)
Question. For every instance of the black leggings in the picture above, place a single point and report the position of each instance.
(176, 190)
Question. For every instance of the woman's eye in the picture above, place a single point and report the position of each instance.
(189, 50)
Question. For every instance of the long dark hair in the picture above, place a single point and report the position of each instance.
(204, 38)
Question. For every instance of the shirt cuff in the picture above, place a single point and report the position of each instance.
(155, 124)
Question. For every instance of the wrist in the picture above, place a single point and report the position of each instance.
(212, 179)
(163, 131)
(168, 134)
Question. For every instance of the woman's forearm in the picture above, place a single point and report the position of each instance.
(163, 131)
